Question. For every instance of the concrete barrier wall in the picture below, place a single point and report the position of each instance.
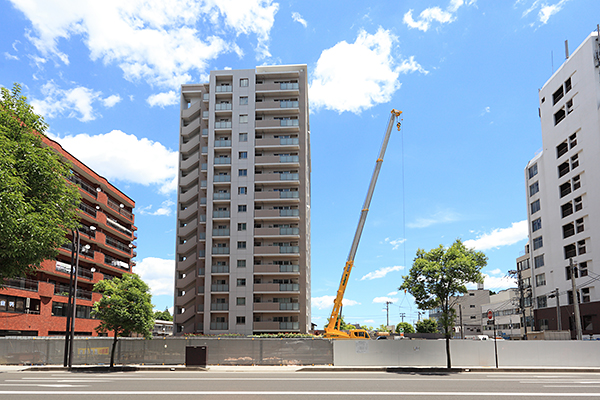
(466, 353)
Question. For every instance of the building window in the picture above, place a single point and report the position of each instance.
(242, 172)
(242, 208)
(576, 182)
(542, 302)
(536, 224)
(473, 317)
(563, 169)
(243, 137)
(568, 230)
(243, 155)
(585, 295)
(242, 190)
(240, 301)
(561, 149)
(543, 323)
(569, 251)
(241, 263)
(582, 267)
(535, 206)
(566, 209)
(533, 170)
(241, 245)
(578, 203)
(243, 100)
(538, 261)
(569, 106)
(244, 82)
(538, 242)
(240, 320)
(565, 189)
(534, 188)
(581, 247)
(241, 226)
(243, 118)
(241, 282)
(575, 161)
(568, 273)
(540, 280)
(573, 140)
(579, 225)
(559, 116)
(556, 96)
(471, 305)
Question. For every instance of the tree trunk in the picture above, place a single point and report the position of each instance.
(112, 352)
(448, 362)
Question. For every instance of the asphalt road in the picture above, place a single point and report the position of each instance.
(273, 384)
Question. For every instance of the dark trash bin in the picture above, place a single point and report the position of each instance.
(195, 356)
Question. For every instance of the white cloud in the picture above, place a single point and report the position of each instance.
(370, 321)
(411, 65)
(158, 273)
(370, 67)
(377, 300)
(326, 302)
(496, 271)
(163, 99)
(434, 14)
(394, 293)
(134, 160)
(165, 209)
(76, 102)
(9, 56)
(160, 42)
(111, 101)
(442, 217)
(500, 237)
(298, 18)
(495, 283)
(381, 272)
(546, 11)
(395, 243)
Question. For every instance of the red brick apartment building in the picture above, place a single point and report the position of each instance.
(37, 306)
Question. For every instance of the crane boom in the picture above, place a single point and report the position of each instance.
(330, 330)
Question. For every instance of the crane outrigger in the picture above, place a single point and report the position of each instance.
(331, 331)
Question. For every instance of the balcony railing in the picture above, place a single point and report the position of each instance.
(87, 209)
(205, 97)
(203, 166)
(219, 288)
(203, 200)
(289, 231)
(222, 160)
(289, 249)
(204, 149)
(223, 143)
(289, 325)
(222, 178)
(87, 231)
(118, 245)
(288, 195)
(221, 214)
(288, 122)
(219, 306)
(63, 290)
(201, 253)
(201, 273)
(222, 106)
(223, 89)
(23, 284)
(289, 177)
(289, 287)
(288, 141)
(289, 306)
(221, 196)
(288, 104)
(220, 250)
(289, 268)
(204, 114)
(220, 232)
(220, 269)
(89, 189)
(219, 326)
(121, 210)
(81, 272)
(202, 235)
(289, 213)
(82, 250)
(203, 184)
(288, 159)
(223, 125)
(289, 86)
(115, 262)
(202, 217)
(204, 131)
(114, 224)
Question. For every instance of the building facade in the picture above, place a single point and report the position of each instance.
(563, 194)
(524, 284)
(37, 306)
(243, 219)
(467, 311)
(506, 313)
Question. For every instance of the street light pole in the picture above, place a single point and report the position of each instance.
(575, 299)
(74, 249)
(73, 308)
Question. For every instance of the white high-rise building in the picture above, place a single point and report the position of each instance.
(563, 194)
(243, 219)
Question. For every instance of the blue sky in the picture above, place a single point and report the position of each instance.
(106, 77)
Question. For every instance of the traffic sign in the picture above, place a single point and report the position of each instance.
(490, 314)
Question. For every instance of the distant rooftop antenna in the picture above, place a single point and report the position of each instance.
(566, 49)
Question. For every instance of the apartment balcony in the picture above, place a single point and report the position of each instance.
(86, 188)
(219, 306)
(289, 326)
(221, 196)
(266, 250)
(279, 88)
(193, 111)
(222, 160)
(220, 250)
(223, 109)
(187, 263)
(223, 143)
(276, 307)
(278, 107)
(187, 281)
(204, 167)
(219, 269)
(204, 132)
(278, 125)
(272, 177)
(223, 125)
(188, 195)
(292, 143)
(188, 297)
(222, 178)
(275, 269)
(223, 89)
(276, 287)
(190, 129)
(220, 232)
(277, 160)
(188, 246)
(190, 210)
(219, 326)
(221, 214)
(266, 326)
(277, 213)
(191, 177)
(190, 161)
(188, 229)
(87, 210)
(25, 284)
(186, 315)
(219, 288)
(191, 144)
(276, 231)
(272, 195)
(115, 244)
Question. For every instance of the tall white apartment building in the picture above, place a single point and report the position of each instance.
(243, 219)
(563, 194)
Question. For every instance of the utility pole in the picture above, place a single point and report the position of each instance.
(402, 315)
(521, 298)
(387, 308)
(419, 315)
(559, 322)
(462, 328)
(575, 299)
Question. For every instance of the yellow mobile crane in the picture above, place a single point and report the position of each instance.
(331, 331)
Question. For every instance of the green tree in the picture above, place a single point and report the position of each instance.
(125, 308)
(408, 328)
(163, 315)
(438, 276)
(38, 206)
(343, 325)
(428, 325)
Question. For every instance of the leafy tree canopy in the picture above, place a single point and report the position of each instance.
(163, 315)
(407, 328)
(427, 325)
(37, 205)
(438, 276)
(125, 308)
(343, 325)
